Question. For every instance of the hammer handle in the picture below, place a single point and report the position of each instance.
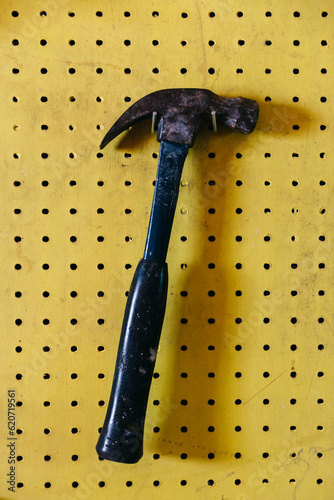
(121, 439)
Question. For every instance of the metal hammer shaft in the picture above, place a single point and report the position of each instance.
(121, 439)
(171, 160)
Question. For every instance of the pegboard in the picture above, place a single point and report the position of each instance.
(241, 401)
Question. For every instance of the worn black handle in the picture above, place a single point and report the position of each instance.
(121, 438)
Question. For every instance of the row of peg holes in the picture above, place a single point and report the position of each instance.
(211, 321)
(155, 13)
(99, 155)
(183, 71)
(238, 347)
(156, 483)
(45, 183)
(73, 239)
(295, 99)
(73, 211)
(155, 42)
(100, 266)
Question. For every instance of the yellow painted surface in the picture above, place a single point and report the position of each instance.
(240, 410)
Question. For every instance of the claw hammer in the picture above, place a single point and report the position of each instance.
(180, 112)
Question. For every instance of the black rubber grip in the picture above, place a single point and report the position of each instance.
(121, 439)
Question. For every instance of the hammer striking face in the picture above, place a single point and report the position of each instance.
(180, 112)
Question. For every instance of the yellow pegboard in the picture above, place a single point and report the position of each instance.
(241, 403)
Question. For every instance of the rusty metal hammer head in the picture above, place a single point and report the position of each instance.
(181, 111)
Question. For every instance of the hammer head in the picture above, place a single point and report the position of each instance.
(181, 111)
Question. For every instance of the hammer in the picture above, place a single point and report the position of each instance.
(180, 112)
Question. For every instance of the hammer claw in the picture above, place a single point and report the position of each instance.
(137, 112)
